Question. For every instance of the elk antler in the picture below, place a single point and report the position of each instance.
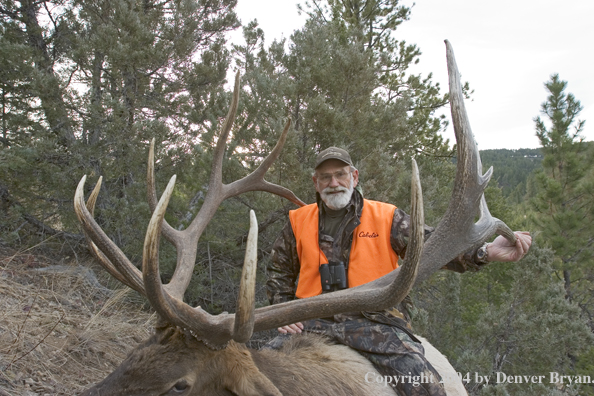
(456, 233)
(108, 253)
(167, 299)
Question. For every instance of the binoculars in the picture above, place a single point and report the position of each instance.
(333, 276)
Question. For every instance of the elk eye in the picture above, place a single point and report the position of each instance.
(180, 386)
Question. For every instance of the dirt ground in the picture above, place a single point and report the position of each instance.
(60, 330)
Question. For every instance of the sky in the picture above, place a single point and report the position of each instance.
(506, 50)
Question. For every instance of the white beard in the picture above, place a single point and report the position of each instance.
(337, 200)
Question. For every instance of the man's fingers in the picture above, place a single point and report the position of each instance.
(525, 240)
(502, 250)
(294, 328)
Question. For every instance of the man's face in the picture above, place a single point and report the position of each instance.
(335, 181)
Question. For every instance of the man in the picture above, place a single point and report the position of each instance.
(344, 240)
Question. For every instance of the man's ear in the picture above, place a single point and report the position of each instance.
(315, 182)
(355, 178)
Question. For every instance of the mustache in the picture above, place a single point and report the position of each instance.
(335, 189)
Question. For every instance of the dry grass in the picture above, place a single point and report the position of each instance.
(59, 330)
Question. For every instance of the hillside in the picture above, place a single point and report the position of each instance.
(59, 329)
(511, 168)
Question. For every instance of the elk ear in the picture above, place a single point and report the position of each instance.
(244, 378)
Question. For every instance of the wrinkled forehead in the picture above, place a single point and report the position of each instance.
(332, 166)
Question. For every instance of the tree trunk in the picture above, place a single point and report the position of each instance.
(567, 284)
(48, 85)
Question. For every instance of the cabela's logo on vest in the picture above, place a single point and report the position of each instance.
(366, 234)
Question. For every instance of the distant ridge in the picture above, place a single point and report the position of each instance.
(511, 168)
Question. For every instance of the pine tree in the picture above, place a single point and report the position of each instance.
(344, 81)
(85, 85)
(564, 201)
(511, 318)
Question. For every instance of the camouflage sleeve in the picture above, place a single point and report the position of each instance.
(399, 240)
(284, 267)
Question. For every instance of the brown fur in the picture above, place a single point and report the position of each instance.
(311, 365)
(307, 365)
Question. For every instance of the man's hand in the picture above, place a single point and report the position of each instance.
(294, 328)
(502, 250)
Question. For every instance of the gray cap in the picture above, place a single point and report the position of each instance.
(333, 153)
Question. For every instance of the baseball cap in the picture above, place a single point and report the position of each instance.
(333, 153)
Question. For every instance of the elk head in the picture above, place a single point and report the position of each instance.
(194, 352)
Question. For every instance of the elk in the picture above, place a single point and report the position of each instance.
(195, 353)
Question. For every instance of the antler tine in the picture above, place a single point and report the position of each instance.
(93, 197)
(215, 196)
(457, 231)
(400, 288)
(246, 300)
(360, 298)
(107, 252)
(216, 174)
(255, 180)
(100, 256)
(500, 228)
(160, 300)
(151, 190)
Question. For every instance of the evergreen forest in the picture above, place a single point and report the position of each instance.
(86, 85)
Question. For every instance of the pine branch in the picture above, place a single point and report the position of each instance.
(8, 201)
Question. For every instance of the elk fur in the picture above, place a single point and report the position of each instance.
(305, 365)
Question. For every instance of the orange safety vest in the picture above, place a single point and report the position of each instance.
(371, 255)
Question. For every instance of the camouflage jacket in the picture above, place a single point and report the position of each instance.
(283, 271)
